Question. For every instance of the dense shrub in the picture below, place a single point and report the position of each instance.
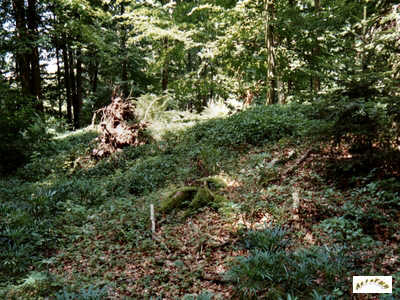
(362, 117)
(22, 132)
(255, 126)
(25, 231)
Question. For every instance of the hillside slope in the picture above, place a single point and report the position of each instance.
(293, 219)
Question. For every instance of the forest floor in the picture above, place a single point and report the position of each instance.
(82, 227)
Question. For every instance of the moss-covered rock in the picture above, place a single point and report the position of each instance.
(180, 198)
(213, 183)
(191, 199)
(218, 199)
(203, 197)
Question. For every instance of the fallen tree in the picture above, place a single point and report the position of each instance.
(119, 127)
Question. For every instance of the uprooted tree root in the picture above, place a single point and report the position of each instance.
(118, 127)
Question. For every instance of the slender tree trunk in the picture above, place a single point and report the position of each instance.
(35, 80)
(316, 51)
(78, 96)
(94, 70)
(124, 68)
(21, 55)
(269, 41)
(290, 84)
(124, 78)
(60, 102)
(164, 75)
(73, 86)
(67, 81)
(281, 90)
(363, 57)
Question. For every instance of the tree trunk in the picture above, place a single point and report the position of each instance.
(78, 99)
(290, 85)
(21, 55)
(269, 41)
(363, 57)
(35, 80)
(124, 78)
(316, 51)
(94, 70)
(60, 102)
(73, 85)
(67, 81)
(281, 90)
(124, 68)
(164, 75)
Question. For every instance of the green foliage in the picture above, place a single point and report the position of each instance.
(255, 126)
(145, 175)
(267, 239)
(89, 293)
(35, 286)
(203, 56)
(26, 230)
(272, 269)
(152, 107)
(370, 211)
(345, 231)
(203, 296)
(22, 131)
(362, 124)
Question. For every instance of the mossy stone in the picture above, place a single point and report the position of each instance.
(180, 198)
(213, 183)
(219, 199)
(203, 197)
(191, 199)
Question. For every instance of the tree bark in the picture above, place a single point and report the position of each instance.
(27, 55)
(94, 70)
(35, 80)
(74, 97)
(67, 81)
(60, 102)
(124, 68)
(21, 55)
(316, 51)
(281, 90)
(269, 41)
(78, 97)
(164, 75)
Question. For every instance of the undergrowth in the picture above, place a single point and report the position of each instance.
(71, 223)
(273, 269)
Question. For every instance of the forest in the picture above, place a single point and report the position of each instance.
(198, 149)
